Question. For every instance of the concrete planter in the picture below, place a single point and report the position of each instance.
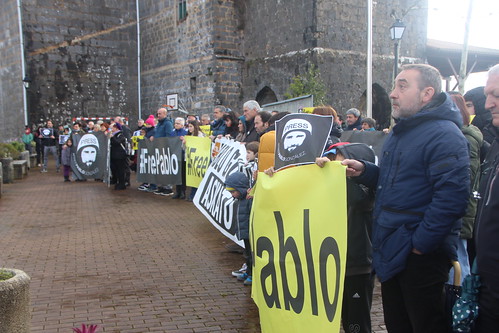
(8, 170)
(14, 303)
(25, 156)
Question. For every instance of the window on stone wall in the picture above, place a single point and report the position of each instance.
(193, 84)
(182, 9)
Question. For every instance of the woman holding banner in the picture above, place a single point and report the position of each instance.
(118, 157)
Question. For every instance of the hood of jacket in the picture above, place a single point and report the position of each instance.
(440, 108)
(474, 132)
(238, 181)
(357, 151)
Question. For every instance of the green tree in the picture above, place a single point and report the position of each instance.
(308, 84)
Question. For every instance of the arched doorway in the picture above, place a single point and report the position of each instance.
(266, 96)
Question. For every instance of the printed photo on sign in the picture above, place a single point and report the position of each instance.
(89, 158)
(63, 139)
(211, 198)
(47, 132)
(300, 138)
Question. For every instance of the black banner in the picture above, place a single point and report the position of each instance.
(300, 138)
(160, 161)
(374, 139)
(89, 155)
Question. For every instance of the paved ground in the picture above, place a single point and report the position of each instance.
(125, 260)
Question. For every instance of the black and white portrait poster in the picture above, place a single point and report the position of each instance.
(160, 161)
(47, 132)
(300, 138)
(89, 155)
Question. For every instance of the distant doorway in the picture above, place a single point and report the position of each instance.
(266, 96)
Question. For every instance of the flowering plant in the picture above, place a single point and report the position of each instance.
(85, 329)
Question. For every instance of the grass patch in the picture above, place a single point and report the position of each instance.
(5, 275)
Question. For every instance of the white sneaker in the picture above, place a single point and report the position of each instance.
(241, 271)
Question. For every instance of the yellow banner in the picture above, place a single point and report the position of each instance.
(299, 239)
(206, 129)
(135, 142)
(197, 158)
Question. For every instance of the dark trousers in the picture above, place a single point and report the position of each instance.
(247, 255)
(67, 171)
(118, 167)
(413, 300)
(357, 300)
(488, 313)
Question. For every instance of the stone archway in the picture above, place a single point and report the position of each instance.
(266, 96)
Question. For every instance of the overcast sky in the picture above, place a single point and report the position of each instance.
(446, 20)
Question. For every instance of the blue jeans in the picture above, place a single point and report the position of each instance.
(53, 151)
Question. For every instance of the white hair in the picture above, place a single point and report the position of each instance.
(180, 120)
(252, 104)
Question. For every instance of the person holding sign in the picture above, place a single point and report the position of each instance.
(49, 137)
(359, 280)
(422, 190)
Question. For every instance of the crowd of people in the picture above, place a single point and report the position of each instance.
(431, 199)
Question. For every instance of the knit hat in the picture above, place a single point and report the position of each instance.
(150, 120)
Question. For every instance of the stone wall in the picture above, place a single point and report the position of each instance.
(331, 36)
(177, 55)
(81, 56)
(11, 86)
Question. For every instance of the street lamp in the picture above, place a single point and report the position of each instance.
(396, 32)
(26, 81)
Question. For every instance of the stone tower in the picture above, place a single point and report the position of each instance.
(82, 55)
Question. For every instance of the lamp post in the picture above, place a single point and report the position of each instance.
(26, 82)
(396, 31)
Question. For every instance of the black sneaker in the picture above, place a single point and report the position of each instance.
(159, 191)
(167, 191)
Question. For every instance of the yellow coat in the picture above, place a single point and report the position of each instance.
(266, 151)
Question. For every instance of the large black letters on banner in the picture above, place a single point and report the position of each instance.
(160, 161)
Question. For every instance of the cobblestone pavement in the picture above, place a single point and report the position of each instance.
(126, 260)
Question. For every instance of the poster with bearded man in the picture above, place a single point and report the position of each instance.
(300, 138)
(89, 155)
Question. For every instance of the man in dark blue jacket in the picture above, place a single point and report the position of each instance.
(487, 221)
(422, 189)
(163, 129)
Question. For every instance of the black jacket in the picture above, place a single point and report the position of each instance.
(360, 202)
(487, 221)
(118, 146)
(251, 133)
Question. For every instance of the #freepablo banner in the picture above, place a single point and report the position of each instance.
(298, 234)
(197, 159)
(211, 197)
(160, 161)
